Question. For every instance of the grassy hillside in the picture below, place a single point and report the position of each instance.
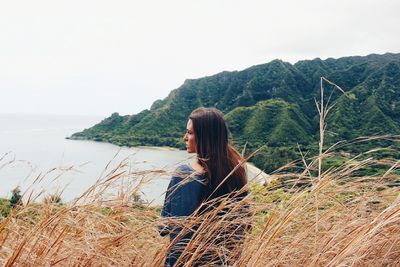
(325, 209)
(338, 219)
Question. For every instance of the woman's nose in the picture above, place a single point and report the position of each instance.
(185, 137)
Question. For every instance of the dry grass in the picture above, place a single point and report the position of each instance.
(338, 220)
(358, 223)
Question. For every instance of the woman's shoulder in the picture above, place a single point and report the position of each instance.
(185, 171)
(184, 168)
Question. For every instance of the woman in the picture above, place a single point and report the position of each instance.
(217, 172)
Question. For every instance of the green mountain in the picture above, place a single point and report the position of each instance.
(272, 104)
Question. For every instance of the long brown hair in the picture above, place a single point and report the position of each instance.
(216, 154)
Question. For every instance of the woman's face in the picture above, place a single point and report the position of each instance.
(189, 138)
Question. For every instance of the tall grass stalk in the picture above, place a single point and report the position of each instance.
(323, 111)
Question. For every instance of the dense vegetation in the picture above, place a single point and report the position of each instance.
(273, 105)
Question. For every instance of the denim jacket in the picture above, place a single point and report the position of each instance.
(183, 197)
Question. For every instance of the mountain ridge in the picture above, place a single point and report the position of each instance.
(372, 104)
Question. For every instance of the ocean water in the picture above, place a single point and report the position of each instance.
(35, 156)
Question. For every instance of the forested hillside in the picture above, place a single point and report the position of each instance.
(272, 104)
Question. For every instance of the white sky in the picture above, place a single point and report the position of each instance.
(97, 57)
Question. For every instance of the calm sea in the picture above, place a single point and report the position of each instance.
(34, 146)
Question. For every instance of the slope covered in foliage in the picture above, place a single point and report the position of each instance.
(272, 104)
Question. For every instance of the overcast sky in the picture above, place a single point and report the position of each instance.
(98, 57)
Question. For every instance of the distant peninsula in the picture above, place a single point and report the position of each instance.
(271, 104)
